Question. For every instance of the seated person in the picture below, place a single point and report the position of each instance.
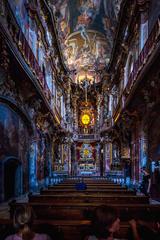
(81, 185)
(105, 224)
(142, 230)
(22, 221)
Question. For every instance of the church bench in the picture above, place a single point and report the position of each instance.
(88, 187)
(89, 198)
(90, 182)
(84, 211)
(91, 191)
(96, 192)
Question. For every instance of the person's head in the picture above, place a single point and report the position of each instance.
(144, 170)
(105, 221)
(23, 219)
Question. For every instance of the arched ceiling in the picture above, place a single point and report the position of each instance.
(86, 30)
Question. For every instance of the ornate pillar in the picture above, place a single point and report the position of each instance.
(75, 114)
(33, 184)
(135, 152)
(68, 104)
(107, 154)
(99, 99)
(66, 155)
(69, 157)
(143, 144)
(53, 161)
(106, 106)
(98, 156)
(73, 160)
(144, 148)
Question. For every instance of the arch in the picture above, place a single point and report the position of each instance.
(14, 107)
(14, 129)
(12, 177)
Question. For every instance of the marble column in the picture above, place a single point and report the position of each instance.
(33, 183)
(107, 156)
(75, 115)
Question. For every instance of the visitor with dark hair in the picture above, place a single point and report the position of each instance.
(105, 223)
(22, 221)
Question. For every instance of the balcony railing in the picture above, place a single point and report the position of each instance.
(24, 48)
(28, 55)
(144, 55)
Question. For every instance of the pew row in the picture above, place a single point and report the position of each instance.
(101, 199)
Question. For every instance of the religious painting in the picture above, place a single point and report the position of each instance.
(14, 142)
(86, 30)
(19, 9)
(33, 36)
(86, 158)
(13, 134)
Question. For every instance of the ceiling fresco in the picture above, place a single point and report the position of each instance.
(86, 30)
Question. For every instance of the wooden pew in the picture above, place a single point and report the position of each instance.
(60, 186)
(97, 192)
(90, 182)
(83, 211)
(89, 199)
(70, 210)
(90, 191)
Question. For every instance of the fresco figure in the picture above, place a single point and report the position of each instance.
(84, 35)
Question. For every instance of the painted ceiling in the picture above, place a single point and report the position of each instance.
(86, 30)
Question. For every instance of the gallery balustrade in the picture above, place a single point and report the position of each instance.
(22, 46)
(144, 55)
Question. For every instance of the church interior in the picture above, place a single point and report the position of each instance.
(79, 103)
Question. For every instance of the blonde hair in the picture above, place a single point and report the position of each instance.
(23, 219)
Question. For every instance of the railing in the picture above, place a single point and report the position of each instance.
(116, 177)
(144, 55)
(24, 48)
(28, 55)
